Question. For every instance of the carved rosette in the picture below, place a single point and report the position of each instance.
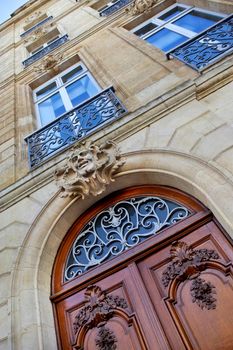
(89, 169)
(202, 293)
(106, 339)
(140, 6)
(98, 309)
(187, 265)
(48, 63)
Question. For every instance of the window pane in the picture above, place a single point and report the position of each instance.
(166, 39)
(51, 108)
(69, 76)
(147, 28)
(197, 21)
(81, 90)
(172, 13)
(46, 90)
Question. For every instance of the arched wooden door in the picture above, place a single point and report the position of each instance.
(145, 268)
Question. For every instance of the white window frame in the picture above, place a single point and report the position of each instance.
(163, 24)
(61, 88)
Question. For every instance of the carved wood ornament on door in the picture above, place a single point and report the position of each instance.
(147, 268)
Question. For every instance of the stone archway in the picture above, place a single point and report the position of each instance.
(38, 252)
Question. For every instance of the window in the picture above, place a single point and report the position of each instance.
(175, 25)
(63, 93)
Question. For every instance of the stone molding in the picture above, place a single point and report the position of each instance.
(89, 169)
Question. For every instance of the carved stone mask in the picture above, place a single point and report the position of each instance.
(89, 169)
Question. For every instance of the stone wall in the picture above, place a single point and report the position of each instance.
(178, 132)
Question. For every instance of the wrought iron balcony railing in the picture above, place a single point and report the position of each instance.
(114, 7)
(73, 126)
(37, 25)
(47, 49)
(207, 47)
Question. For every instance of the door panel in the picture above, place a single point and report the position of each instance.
(131, 322)
(191, 289)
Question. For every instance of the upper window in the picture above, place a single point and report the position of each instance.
(175, 25)
(64, 92)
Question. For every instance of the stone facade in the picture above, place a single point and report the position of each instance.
(178, 132)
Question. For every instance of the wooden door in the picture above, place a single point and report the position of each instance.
(171, 291)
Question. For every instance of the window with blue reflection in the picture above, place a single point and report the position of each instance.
(64, 92)
(166, 39)
(81, 90)
(197, 21)
(173, 26)
(51, 108)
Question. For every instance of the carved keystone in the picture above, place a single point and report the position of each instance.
(89, 169)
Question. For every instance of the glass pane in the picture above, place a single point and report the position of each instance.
(172, 13)
(69, 76)
(51, 108)
(166, 40)
(197, 21)
(46, 90)
(147, 28)
(81, 90)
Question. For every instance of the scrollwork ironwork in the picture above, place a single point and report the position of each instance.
(207, 48)
(73, 126)
(119, 228)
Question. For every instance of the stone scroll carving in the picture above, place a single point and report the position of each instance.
(98, 309)
(50, 62)
(89, 169)
(140, 6)
(187, 265)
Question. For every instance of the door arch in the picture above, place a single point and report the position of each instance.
(143, 297)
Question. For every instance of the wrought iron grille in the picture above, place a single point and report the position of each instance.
(45, 50)
(119, 228)
(37, 25)
(115, 7)
(207, 47)
(73, 126)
